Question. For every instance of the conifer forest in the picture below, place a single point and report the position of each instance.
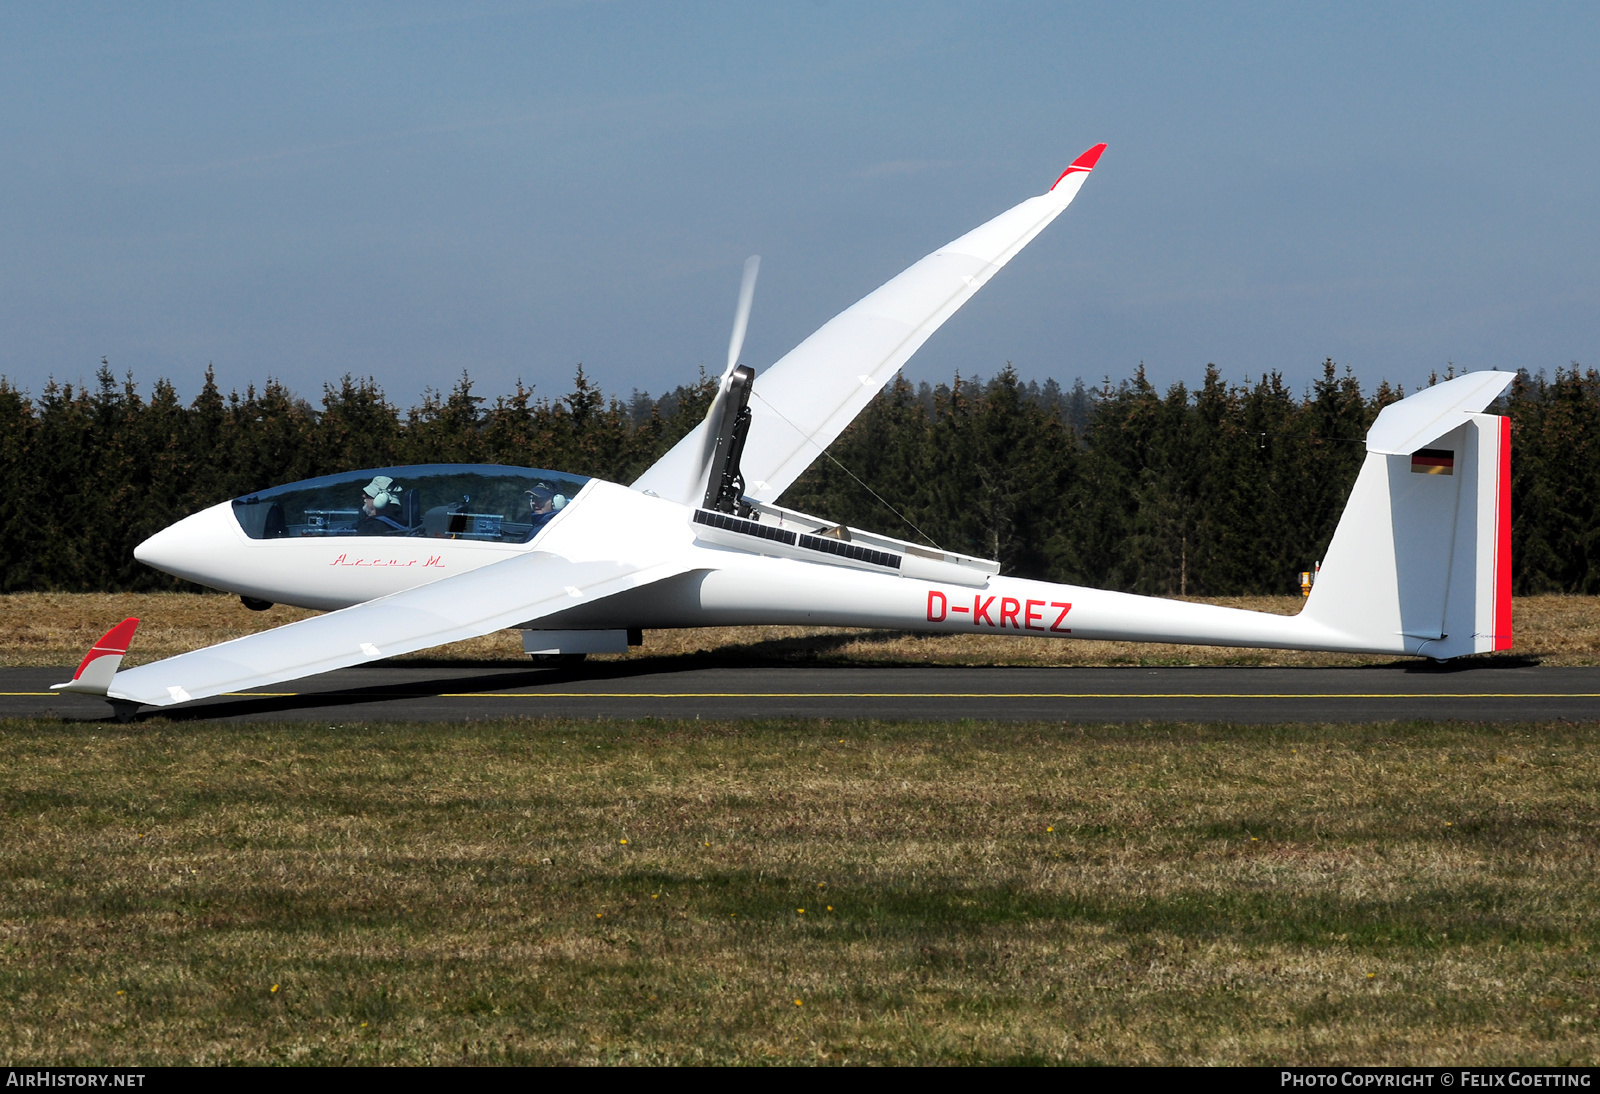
(1225, 489)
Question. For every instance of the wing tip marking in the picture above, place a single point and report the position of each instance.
(1084, 163)
(114, 643)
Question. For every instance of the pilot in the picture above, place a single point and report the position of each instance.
(380, 494)
(543, 503)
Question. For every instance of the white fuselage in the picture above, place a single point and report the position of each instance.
(720, 585)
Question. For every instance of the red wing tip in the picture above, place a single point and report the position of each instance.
(114, 643)
(118, 638)
(1083, 163)
(1089, 158)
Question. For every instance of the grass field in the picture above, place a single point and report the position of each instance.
(530, 892)
(58, 628)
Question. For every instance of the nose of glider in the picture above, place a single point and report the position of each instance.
(195, 547)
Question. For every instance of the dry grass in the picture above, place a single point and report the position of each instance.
(57, 628)
(533, 892)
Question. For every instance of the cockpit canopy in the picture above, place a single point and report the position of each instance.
(484, 502)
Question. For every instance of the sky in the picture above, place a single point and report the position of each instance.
(408, 192)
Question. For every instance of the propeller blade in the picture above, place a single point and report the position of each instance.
(741, 318)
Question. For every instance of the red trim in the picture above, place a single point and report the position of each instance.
(114, 643)
(1083, 163)
(1087, 161)
(1502, 551)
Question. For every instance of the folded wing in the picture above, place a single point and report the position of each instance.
(805, 400)
(492, 598)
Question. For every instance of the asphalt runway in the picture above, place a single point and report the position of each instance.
(443, 691)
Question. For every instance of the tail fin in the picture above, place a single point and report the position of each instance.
(100, 664)
(1421, 560)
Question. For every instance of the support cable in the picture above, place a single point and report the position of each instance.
(847, 471)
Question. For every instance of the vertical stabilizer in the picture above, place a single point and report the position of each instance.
(1421, 560)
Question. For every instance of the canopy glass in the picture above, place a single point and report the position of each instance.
(483, 502)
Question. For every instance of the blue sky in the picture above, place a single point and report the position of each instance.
(510, 189)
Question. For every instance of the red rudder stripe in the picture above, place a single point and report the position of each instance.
(1502, 551)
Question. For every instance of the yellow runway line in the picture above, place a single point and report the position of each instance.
(1006, 695)
(910, 694)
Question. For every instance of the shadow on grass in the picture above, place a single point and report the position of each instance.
(937, 917)
(1434, 919)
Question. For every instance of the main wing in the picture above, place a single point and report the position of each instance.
(805, 400)
(488, 599)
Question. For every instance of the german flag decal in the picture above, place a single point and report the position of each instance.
(1433, 461)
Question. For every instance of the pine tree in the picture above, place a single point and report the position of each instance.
(451, 429)
(357, 428)
(21, 502)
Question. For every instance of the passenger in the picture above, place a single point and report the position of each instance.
(381, 493)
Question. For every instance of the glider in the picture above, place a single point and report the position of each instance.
(405, 558)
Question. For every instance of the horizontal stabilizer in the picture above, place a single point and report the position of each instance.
(100, 664)
(1419, 419)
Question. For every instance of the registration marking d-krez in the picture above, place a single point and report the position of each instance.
(984, 613)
